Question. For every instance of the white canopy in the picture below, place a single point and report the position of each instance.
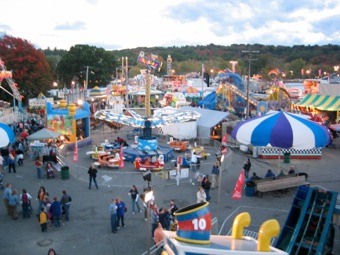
(43, 134)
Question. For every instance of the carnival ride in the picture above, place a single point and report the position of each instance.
(7, 75)
(96, 151)
(153, 164)
(231, 95)
(147, 145)
(179, 145)
(105, 147)
(309, 226)
(193, 235)
(308, 229)
(200, 152)
(109, 159)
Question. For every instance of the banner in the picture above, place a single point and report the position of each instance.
(237, 193)
(121, 157)
(225, 139)
(75, 152)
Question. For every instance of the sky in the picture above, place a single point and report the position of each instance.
(125, 24)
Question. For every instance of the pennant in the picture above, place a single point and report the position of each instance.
(121, 157)
(225, 139)
(75, 152)
(237, 193)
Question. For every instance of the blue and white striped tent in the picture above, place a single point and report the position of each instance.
(97, 92)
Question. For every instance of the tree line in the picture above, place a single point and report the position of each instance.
(36, 70)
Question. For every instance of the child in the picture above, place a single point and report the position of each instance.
(43, 220)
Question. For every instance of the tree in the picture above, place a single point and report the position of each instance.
(295, 66)
(99, 64)
(31, 71)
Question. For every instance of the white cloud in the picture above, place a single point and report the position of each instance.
(129, 23)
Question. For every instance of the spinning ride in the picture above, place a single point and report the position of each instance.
(147, 145)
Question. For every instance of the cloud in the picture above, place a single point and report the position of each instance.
(5, 27)
(78, 25)
(164, 23)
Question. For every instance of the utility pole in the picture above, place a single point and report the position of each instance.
(248, 80)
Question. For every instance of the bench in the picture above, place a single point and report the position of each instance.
(280, 183)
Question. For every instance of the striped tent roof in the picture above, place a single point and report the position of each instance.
(96, 91)
(321, 102)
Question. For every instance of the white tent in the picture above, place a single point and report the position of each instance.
(209, 119)
(181, 131)
(44, 134)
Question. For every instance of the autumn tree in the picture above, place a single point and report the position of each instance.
(81, 59)
(31, 71)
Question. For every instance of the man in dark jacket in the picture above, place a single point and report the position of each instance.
(55, 210)
(93, 175)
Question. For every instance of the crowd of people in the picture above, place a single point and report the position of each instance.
(47, 212)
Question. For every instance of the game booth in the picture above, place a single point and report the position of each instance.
(72, 121)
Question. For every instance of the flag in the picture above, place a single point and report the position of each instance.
(75, 152)
(237, 193)
(203, 69)
(302, 72)
(320, 72)
(121, 157)
(225, 139)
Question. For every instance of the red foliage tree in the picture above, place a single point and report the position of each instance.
(30, 69)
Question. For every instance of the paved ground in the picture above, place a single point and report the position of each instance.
(88, 231)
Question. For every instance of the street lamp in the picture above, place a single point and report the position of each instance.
(147, 198)
(336, 68)
(248, 80)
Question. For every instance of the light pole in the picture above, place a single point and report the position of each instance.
(148, 197)
(248, 80)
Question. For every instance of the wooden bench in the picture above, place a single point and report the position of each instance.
(279, 183)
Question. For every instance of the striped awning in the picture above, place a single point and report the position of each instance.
(321, 102)
(97, 92)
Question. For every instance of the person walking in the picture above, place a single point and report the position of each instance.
(43, 220)
(133, 193)
(55, 211)
(154, 218)
(201, 196)
(11, 163)
(13, 203)
(92, 175)
(206, 186)
(246, 168)
(173, 208)
(6, 196)
(25, 199)
(38, 164)
(158, 236)
(120, 212)
(113, 214)
(215, 173)
(65, 202)
(164, 218)
(1, 163)
(41, 198)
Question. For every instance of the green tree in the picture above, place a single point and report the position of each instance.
(31, 71)
(99, 64)
(295, 66)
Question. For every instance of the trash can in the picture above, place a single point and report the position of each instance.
(286, 157)
(65, 173)
(250, 189)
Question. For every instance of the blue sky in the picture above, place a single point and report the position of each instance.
(115, 25)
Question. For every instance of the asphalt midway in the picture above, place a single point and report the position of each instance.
(88, 231)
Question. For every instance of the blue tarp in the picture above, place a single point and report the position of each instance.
(209, 102)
